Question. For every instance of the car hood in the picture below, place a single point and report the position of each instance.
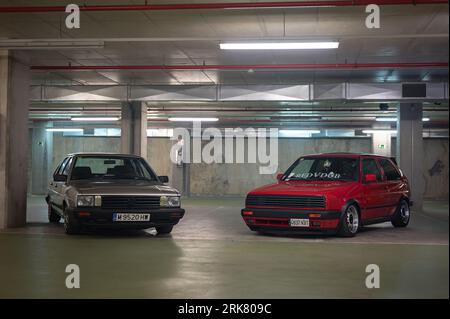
(304, 188)
(122, 187)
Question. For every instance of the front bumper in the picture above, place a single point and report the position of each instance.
(278, 220)
(103, 218)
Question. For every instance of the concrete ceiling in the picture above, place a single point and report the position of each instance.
(191, 37)
(408, 34)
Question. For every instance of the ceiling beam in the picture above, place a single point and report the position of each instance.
(321, 66)
(223, 5)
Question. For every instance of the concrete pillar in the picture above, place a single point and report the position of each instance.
(134, 129)
(41, 157)
(180, 178)
(410, 148)
(14, 105)
(381, 141)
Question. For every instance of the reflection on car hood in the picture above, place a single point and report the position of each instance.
(122, 187)
(304, 188)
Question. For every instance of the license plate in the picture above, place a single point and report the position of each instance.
(120, 217)
(299, 222)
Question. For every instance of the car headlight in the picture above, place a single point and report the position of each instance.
(85, 201)
(170, 201)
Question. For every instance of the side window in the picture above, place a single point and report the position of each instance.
(62, 166)
(369, 166)
(67, 167)
(390, 171)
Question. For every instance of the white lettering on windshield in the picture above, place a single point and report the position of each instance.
(317, 175)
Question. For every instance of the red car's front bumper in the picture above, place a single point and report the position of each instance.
(258, 219)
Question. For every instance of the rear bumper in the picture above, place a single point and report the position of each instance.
(101, 218)
(258, 219)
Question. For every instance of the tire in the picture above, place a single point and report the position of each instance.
(402, 214)
(69, 227)
(53, 217)
(350, 222)
(164, 229)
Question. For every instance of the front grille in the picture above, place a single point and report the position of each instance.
(286, 201)
(130, 202)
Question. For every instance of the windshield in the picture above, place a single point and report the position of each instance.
(323, 169)
(104, 167)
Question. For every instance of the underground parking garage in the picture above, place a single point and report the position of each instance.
(224, 150)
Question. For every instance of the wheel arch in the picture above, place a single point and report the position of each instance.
(352, 202)
(406, 198)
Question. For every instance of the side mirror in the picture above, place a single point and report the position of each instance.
(60, 178)
(163, 179)
(370, 178)
(279, 176)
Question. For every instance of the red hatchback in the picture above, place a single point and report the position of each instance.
(331, 193)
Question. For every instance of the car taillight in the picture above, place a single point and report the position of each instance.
(247, 213)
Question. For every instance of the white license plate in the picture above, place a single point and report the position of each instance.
(299, 222)
(119, 217)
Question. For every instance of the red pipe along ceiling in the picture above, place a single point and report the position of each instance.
(231, 5)
(331, 66)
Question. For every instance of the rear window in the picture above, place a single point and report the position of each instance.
(389, 169)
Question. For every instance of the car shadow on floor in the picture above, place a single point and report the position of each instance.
(314, 236)
(58, 229)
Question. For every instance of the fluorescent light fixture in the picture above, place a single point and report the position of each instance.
(279, 46)
(33, 44)
(386, 119)
(95, 119)
(298, 133)
(394, 119)
(341, 118)
(64, 129)
(193, 119)
(379, 131)
(159, 132)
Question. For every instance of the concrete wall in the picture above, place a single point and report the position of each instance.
(65, 145)
(237, 179)
(435, 166)
(157, 153)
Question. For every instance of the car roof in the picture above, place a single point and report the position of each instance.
(102, 154)
(344, 154)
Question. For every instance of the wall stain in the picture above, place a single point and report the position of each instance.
(437, 168)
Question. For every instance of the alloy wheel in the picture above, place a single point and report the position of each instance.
(352, 219)
(404, 212)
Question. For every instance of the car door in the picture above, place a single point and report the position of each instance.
(373, 191)
(52, 188)
(393, 185)
(60, 185)
(63, 186)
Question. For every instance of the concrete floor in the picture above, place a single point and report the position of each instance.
(211, 254)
